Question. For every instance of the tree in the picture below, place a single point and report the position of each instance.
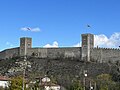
(76, 85)
(104, 82)
(16, 83)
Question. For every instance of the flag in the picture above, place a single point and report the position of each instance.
(88, 26)
(28, 28)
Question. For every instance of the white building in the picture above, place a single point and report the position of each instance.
(52, 87)
(4, 81)
(47, 85)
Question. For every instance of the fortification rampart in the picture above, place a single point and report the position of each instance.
(9, 53)
(52, 53)
(55, 53)
(85, 53)
(37, 52)
(105, 54)
(64, 52)
(2, 55)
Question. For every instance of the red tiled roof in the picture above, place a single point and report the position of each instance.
(3, 78)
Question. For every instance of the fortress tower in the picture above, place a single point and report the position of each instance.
(87, 44)
(25, 43)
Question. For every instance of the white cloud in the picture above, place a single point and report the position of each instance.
(103, 41)
(110, 42)
(31, 29)
(100, 40)
(54, 45)
(77, 45)
(35, 29)
(9, 44)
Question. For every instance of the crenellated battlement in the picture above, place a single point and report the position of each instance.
(105, 54)
(105, 48)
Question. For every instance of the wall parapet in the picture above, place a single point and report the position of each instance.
(98, 48)
(9, 53)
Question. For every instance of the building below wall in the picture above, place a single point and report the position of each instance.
(4, 81)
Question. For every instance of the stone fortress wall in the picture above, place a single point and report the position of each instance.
(105, 54)
(9, 53)
(51, 53)
(85, 53)
(2, 54)
(55, 53)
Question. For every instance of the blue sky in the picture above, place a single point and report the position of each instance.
(59, 22)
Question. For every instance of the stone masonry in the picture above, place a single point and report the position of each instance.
(87, 51)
